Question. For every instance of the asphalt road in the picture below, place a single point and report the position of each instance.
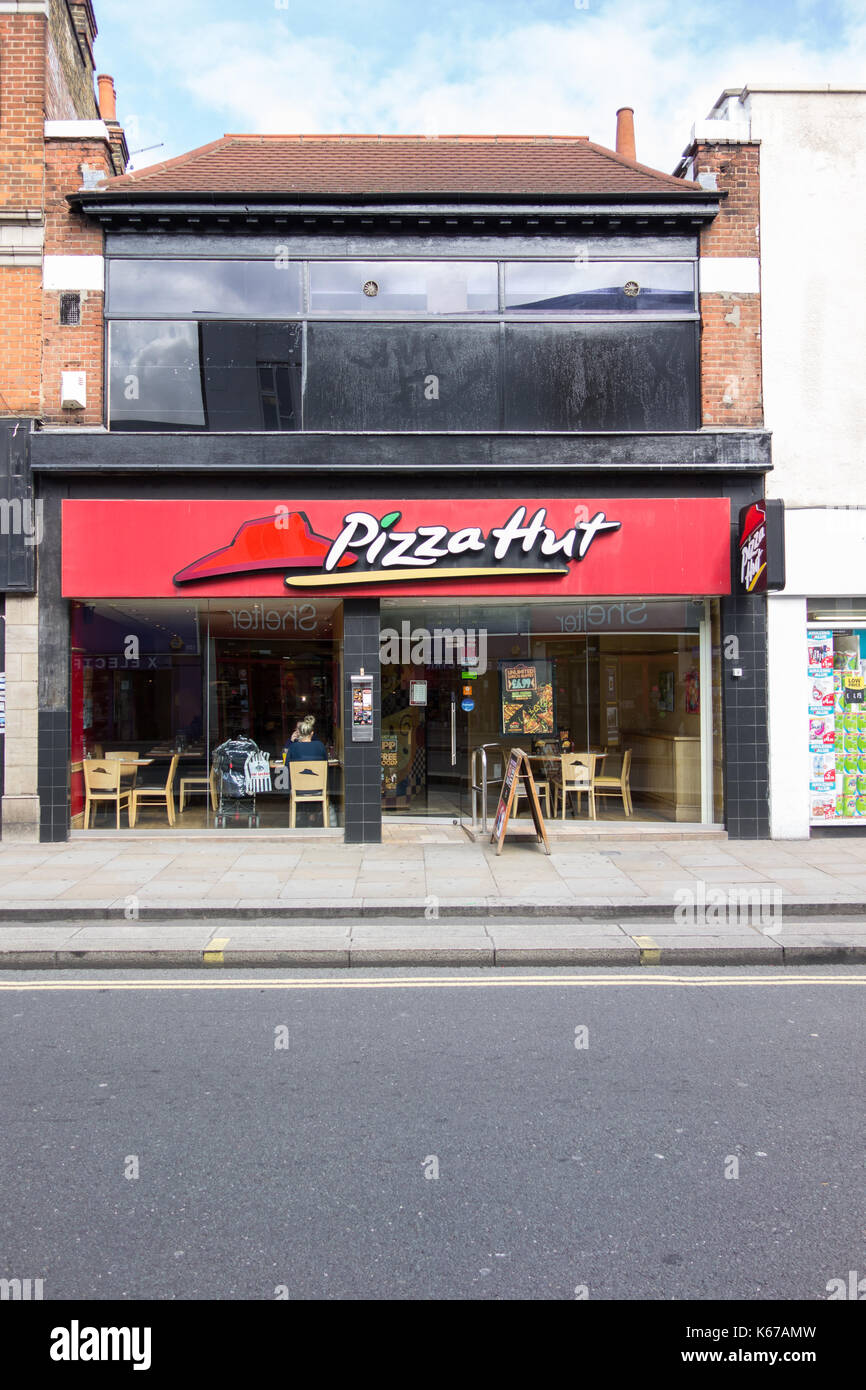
(169, 1141)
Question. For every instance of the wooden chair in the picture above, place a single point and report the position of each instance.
(191, 786)
(308, 786)
(102, 782)
(147, 796)
(128, 773)
(617, 784)
(578, 776)
(543, 787)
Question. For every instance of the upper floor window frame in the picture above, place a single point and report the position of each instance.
(366, 266)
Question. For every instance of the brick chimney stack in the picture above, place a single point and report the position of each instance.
(107, 98)
(108, 113)
(625, 132)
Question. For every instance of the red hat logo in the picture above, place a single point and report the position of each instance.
(284, 540)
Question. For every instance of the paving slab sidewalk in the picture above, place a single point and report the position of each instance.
(165, 902)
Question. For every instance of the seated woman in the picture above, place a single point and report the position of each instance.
(304, 748)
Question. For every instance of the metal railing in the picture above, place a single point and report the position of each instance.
(479, 788)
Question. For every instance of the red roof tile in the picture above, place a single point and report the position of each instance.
(355, 165)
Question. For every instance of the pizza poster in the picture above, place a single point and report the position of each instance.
(526, 698)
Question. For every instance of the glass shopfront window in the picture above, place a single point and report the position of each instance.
(167, 684)
(836, 670)
(604, 677)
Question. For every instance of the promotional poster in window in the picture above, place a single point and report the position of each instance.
(527, 698)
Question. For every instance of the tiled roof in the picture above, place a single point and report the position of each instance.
(372, 165)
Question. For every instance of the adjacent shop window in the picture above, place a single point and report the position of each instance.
(190, 289)
(836, 669)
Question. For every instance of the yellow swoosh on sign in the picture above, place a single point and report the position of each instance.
(315, 581)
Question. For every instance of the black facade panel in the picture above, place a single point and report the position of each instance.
(300, 460)
(381, 376)
(20, 519)
(601, 376)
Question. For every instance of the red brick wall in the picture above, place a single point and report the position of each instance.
(67, 233)
(20, 339)
(22, 85)
(731, 388)
(22, 101)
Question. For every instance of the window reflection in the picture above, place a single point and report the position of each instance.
(217, 376)
(154, 376)
(422, 287)
(565, 287)
(188, 289)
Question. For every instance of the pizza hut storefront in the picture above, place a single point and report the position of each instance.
(423, 638)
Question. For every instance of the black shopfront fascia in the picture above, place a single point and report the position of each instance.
(728, 464)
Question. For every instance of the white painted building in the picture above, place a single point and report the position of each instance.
(813, 289)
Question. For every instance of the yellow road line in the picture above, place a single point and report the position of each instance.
(541, 982)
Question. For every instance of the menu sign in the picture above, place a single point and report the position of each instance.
(527, 698)
(362, 708)
(518, 776)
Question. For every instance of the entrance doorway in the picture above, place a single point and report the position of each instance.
(425, 741)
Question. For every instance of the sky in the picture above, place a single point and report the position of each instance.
(188, 71)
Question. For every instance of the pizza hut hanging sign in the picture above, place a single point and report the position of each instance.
(761, 560)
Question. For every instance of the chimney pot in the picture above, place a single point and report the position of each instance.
(107, 98)
(625, 132)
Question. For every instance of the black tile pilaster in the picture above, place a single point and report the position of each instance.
(54, 693)
(362, 761)
(744, 714)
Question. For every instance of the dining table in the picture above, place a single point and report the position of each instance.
(127, 762)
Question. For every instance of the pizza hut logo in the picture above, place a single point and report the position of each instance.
(371, 549)
(753, 550)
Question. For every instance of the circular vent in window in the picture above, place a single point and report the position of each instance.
(371, 289)
(631, 288)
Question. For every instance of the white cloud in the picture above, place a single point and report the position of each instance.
(566, 78)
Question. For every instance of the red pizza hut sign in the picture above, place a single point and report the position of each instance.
(753, 550)
(462, 547)
(371, 549)
(762, 547)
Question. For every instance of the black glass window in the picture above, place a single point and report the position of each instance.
(216, 376)
(193, 289)
(154, 376)
(601, 376)
(402, 377)
(417, 287)
(570, 287)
